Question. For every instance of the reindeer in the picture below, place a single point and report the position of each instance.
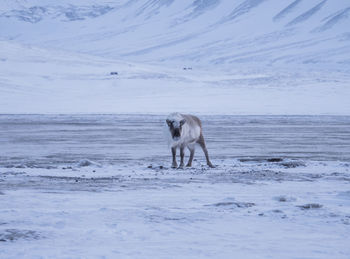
(185, 131)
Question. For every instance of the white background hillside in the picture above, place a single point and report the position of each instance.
(247, 57)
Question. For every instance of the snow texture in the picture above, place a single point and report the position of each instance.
(280, 182)
(86, 85)
(218, 57)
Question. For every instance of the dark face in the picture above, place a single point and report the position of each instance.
(175, 128)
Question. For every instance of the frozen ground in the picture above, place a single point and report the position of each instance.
(95, 186)
(80, 186)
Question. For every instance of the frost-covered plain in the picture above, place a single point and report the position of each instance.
(81, 186)
(96, 186)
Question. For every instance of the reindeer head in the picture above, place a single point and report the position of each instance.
(175, 127)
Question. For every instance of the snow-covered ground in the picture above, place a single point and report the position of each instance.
(35, 80)
(100, 186)
(88, 176)
(206, 57)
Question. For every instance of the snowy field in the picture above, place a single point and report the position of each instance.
(89, 175)
(35, 80)
(100, 186)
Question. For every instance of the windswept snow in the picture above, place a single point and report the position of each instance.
(255, 56)
(334, 19)
(308, 14)
(36, 14)
(170, 32)
(101, 186)
(242, 9)
(35, 80)
(286, 10)
(84, 89)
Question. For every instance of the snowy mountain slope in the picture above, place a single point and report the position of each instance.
(200, 32)
(245, 57)
(35, 80)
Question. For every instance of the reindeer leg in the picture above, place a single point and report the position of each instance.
(182, 155)
(201, 142)
(189, 163)
(173, 151)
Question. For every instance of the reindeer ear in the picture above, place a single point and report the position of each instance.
(182, 122)
(168, 122)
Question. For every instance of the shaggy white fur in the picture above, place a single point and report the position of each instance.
(183, 131)
(190, 130)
